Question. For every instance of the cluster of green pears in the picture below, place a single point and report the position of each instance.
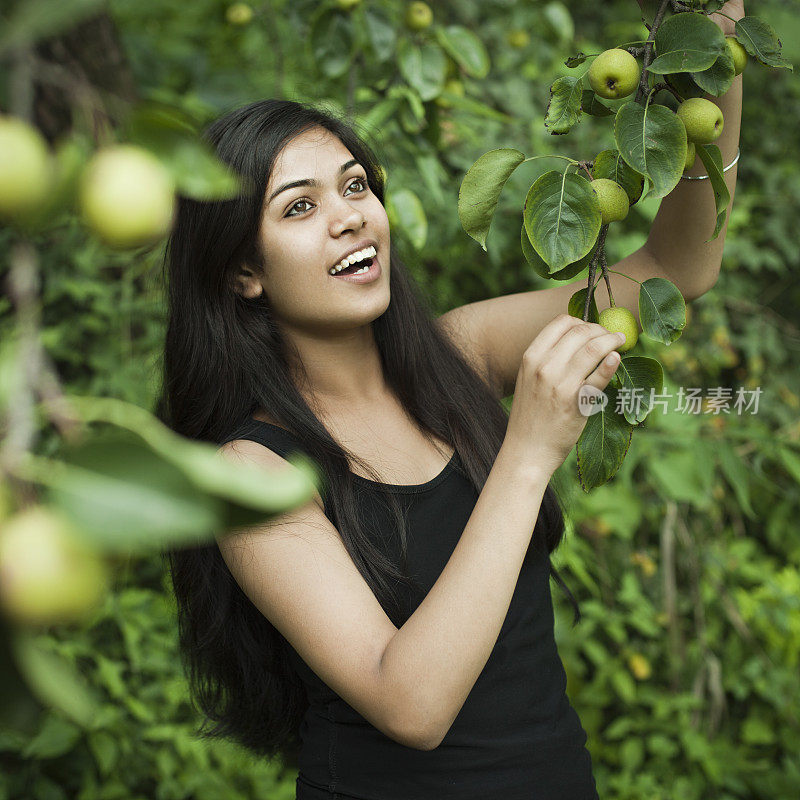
(615, 74)
(125, 195)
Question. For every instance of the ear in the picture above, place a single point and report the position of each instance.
(247, 284)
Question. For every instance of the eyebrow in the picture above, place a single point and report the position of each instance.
(309, 181)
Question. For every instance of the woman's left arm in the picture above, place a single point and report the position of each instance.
(689, 208)
(494, 333)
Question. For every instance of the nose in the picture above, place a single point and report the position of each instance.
(346, 216)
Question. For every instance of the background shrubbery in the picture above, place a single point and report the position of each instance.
(686, 565)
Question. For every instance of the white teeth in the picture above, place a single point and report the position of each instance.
(368, 252)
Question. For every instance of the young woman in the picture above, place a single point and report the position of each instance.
(393, 638)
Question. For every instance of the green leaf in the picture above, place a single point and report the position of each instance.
(603, 444)
(631, 751)
(424, 66)
(610, 164)
(406, 212)
(564, 108)
(171, 135)
(652, 141)
(736, 473)
(662, 310)
(686, 475)
(476, 108)
(638, 375)
(105, 750)
(332, 43)
(761, 42)
(56, 684)
(575, 61)
(377, 114)
(757, 731)
(683, 84)
(687, 42)
(577, 303)
(541, 268)
(718, 78)
(562, 218)
(465, 48)
(711, 157)
(791, 461)
(480, 190)
(592, 105)
(144, 486)
(412, 110)
(57, 737)
(380, 33)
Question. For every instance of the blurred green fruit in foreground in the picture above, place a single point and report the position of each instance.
(127, 196)
(618, 319)
(612, 198)
(702, 119)
(26, 169)
(239, 14)
(418, 15)
(738, 54)
(47, 575)
(614, 73)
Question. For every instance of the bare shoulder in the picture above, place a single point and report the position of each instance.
(463, 326)
(249, 452)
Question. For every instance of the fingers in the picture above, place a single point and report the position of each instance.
(602, 374)
(576, 350)
(550, 335)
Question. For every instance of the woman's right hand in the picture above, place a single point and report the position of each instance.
(545, 423)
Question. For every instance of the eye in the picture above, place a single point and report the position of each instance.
(362, 181)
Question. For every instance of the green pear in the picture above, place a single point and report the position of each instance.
(614, 73)
(26, 168)
(48, 574)
(619, 319)
(239, 14)
(691, 154)
(702, 119)
(612, 198)
(419, 16)
(518, 38)
(738, 54)
(127, 196)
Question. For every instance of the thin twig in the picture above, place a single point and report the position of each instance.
(604, 267)
(592, 269)
(648, 50)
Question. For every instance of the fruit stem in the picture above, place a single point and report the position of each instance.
(585, 166)
(592, 268)
(616, 272)
(659, 86)
(604, 267)
(648, 49)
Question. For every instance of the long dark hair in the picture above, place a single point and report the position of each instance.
(224, 358)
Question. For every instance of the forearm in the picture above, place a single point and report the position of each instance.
(435, 658)
(686, 217)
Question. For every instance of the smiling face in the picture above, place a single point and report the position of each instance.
(306, 229)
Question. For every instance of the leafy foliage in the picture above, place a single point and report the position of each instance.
(684, 667)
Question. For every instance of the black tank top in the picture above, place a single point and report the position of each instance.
(516, 737)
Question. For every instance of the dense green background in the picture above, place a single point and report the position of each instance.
(686, 565)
